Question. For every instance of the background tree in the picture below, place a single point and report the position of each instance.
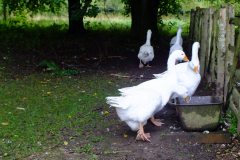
(77, 9)
(146, 14)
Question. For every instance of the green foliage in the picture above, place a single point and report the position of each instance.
(92, 10)
(232, 120)
(87, 148)
(164, 8)
(35, 5)
(169, 7)
(111, 6)
(55, 69)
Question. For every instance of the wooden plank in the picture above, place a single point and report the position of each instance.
(192, 25)
(197, 27)
(233, 71)
(213, 49)
(230, 42)
(209, 43)
(206, 41)
(221, 52)
(203, 40)
(216, 137)
(236, 98)
(235, 105)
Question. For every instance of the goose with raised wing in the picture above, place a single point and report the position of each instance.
(146, 52)
(137, 104)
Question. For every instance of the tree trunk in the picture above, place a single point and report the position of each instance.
(144, 14)
(75, 17)
(4, 9)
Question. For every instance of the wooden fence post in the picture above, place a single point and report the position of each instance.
(230, 39)
(221, 52)
(233, 92)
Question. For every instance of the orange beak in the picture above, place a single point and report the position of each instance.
(185, 58)
(195, 69)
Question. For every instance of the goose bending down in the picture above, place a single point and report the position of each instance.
(146, 53)
(177, 45)
(188, 73)
(137, 104)
(173, 40)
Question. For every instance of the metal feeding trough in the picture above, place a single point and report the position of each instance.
(201, 113)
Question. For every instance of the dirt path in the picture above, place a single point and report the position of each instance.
(167, 142)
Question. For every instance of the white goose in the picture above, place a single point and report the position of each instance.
(178, 42)
(188, 73)
(146, 53)
(139, 103)
(173, 40)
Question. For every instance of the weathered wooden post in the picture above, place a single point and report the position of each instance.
(230, 43)
(233, 91)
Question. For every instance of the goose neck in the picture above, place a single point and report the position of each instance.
(178, 36)
(171, 62)
(194, 54)
(148, 38)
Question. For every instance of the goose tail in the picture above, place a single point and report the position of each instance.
(160, 75)
(117, 102)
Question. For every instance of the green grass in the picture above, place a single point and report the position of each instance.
(108, 22)
(35, 108)
(233, 121)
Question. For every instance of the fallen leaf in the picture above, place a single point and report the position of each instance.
(125, 135)
(5, 123)
(65, 143)
(21, 108)
(105, 112)
(43, 82)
